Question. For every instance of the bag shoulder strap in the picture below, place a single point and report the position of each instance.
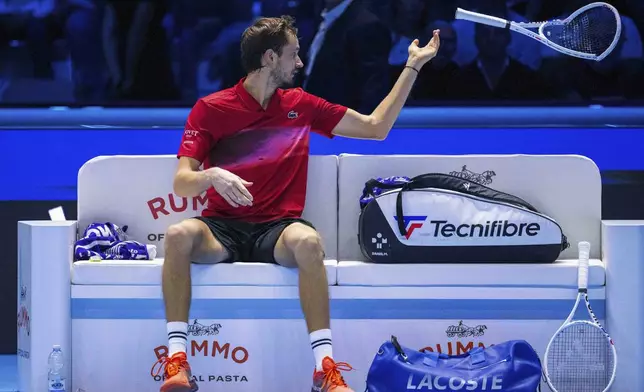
(458, 184)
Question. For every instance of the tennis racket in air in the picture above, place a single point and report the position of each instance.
(591, 32)
(580, 356)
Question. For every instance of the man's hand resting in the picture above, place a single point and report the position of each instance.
(230, 186)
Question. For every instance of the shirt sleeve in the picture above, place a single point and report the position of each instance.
(198, 139)
(326, 115)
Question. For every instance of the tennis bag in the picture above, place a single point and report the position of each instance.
(440, 218)
(511, 366)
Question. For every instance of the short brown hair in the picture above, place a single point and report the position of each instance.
(265, 34)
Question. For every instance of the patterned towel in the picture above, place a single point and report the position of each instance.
(370, 192)
(107, 241)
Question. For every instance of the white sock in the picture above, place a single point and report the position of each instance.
(321, 345)
(177, 337)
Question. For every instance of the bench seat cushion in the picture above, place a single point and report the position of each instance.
(562, 273)
(148, 272)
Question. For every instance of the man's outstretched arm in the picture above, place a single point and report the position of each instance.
(377, 125)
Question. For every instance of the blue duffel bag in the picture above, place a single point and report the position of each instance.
(511, 366)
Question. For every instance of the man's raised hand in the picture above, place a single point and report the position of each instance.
(419, 55)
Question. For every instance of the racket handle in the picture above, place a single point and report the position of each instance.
(584, 256)
(481, 18)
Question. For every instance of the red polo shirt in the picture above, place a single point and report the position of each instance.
(270, 148)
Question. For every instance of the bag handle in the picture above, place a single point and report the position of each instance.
(399, 350)
(431, 358)
(373, 183)
(476, 355)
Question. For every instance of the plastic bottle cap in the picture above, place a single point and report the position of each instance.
(56, 347)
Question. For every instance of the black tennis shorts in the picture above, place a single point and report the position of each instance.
(246, 241)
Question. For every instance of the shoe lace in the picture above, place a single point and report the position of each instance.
(170, 366)
(333, 377)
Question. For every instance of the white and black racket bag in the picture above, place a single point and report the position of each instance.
(440, 218)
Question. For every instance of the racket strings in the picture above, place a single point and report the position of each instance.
(580, 359)
(591, 32)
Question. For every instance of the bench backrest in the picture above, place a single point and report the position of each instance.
(137, 191)
(565, 187)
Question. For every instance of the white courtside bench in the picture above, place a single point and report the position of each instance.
(247, 330)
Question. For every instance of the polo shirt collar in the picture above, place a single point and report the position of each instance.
(251, 103)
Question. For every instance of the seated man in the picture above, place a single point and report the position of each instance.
(253, 140)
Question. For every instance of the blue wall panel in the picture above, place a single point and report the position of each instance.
(43, 164)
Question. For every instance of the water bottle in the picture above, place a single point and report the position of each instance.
(56, 376)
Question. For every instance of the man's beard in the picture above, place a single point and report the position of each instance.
(283, 80)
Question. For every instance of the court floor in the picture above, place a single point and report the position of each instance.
(8, 373)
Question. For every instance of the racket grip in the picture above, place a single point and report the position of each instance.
(480, 18)
(584, 256)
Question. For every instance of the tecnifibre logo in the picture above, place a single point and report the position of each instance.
(412, 223)
(498, 228)
(443, 228)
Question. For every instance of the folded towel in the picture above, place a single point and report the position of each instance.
(107, 241)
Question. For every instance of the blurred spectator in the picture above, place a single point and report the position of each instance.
(437, 75)
(30, 21)
(630, 47)
(226, 59)
(521, 48)
(213, 30)
(306, 14)
(52, 51)
(407, 23)
(347, 61)
(617, 77)
(494, 75)
(195, 24)
(613, 78)
(528, 9)
(136, 50)
(382, 9)
(39, 23)
(412, 19)
(440, 9)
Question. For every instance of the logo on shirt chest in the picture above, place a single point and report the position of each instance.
(292, 115)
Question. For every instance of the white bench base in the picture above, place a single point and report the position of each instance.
(254, 338)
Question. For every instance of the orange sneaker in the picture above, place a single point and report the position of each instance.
(176, 373)
(330, 379)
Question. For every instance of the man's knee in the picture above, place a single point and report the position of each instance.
(181, 238)
(306, 245)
